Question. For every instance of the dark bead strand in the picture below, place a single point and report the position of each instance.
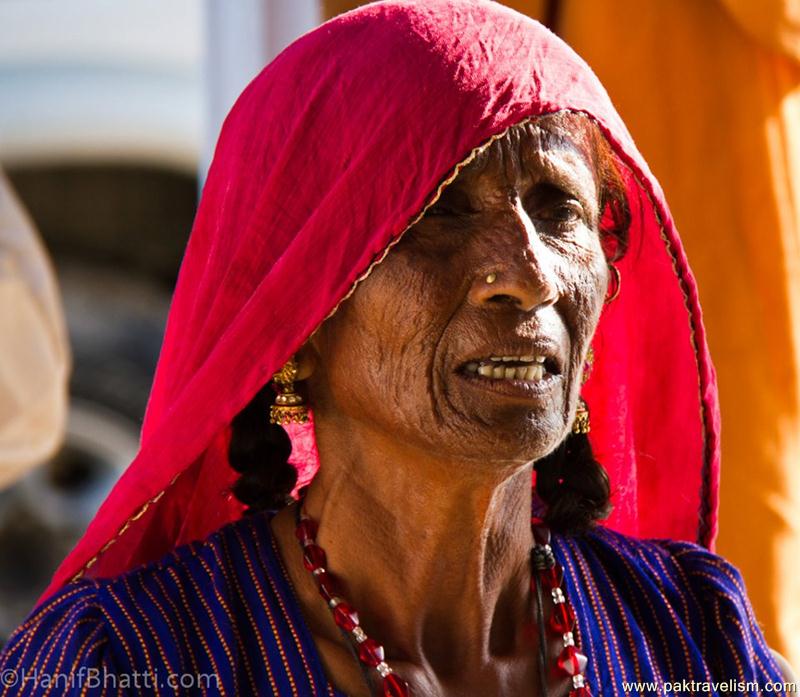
(549, 575)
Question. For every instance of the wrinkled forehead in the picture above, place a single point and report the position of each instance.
(556, 147)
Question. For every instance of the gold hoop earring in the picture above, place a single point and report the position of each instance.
(616, 285)
(289, 407)
(581, 424)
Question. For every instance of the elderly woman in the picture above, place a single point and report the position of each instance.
(425, 222)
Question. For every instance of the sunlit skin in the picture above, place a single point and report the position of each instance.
(424, 493)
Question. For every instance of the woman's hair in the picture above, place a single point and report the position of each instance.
(259, 451)
(570, 481)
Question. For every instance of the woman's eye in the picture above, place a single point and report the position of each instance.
(451, 204)
(563, 214)
(554, 207)
(440, 210)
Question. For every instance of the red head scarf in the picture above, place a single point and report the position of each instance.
(325, 160)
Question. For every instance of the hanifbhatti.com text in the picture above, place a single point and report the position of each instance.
(95, 678)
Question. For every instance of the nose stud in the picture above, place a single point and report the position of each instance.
(491, 278)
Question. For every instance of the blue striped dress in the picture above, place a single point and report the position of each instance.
(220, 617)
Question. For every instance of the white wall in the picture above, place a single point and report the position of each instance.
(148, 81)
(95, 79)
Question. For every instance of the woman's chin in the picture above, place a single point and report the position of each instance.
(515, 419)
(508, 438)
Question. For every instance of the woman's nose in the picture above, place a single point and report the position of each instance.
(523, 276)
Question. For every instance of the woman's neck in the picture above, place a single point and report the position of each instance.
(433, 554)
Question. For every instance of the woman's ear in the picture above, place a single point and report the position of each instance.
(306, 359)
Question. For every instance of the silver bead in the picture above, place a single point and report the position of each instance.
(383, 668)
(578, 681)
(558, 596)
(569, 640)
(358, 635)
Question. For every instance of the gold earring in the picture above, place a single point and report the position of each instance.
(581, 423)
(289, 407)
(588, 365)
(491, 278)
(616, 284)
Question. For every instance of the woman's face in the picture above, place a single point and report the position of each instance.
(468, 340)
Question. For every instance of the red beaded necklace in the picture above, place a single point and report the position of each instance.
(547, 576)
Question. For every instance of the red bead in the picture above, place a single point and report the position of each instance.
(551, 578)
(370, 652)
(328, 588)
(345, 617)
(395, 687)
(314, 557)
(571, 661)
(563, 618)
(306, 531)
(581, 692)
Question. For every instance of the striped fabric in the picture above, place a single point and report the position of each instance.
(220, 617)
(670, 614)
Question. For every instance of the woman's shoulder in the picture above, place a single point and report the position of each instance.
(212, 565)
(201, 610)
(663, 610)
(66, 630)
(91, 623)
(661, 558)
(673, 569)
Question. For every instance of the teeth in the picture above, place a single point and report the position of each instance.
(531, 373)
(530, 368)
(530, 358)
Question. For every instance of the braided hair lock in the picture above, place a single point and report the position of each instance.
(573, 485)
(259, 451)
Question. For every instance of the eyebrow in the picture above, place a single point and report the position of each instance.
(561, 174)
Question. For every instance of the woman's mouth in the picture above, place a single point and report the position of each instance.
(529, 368)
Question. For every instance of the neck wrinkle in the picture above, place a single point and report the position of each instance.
(437, 565)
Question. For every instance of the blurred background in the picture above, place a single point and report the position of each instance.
(109, 110)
